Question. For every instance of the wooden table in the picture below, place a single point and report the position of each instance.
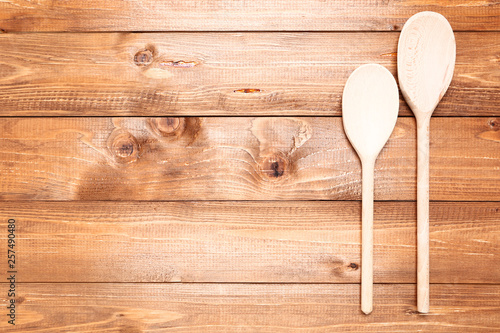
(239, 211)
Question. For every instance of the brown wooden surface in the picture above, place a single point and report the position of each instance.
(300, 242)
(219, 73)
(270, 308)
(236, 159)
(131, 224)
(229, 15)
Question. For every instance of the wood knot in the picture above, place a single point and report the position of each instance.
(143, 57)
(123, 146)
(352, 266)
(494, 124)
(168, 126)
(275, 166)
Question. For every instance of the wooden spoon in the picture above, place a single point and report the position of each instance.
(426, 59)
(370, 106)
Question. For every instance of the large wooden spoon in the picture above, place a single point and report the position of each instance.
(426, 59)
(370, 106)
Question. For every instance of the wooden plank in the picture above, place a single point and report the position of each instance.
(306, 242)
(236, 158)
(211, 74)
(104, 307)
(262, 15)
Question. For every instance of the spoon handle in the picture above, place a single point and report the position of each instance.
(423, 215)
(367, 237)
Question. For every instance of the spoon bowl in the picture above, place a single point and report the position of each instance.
(370, 105)
(426, 60)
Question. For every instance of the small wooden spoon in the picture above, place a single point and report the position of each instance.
(426, 59)
(370, 106)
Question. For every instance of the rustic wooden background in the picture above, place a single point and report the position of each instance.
(240, 211)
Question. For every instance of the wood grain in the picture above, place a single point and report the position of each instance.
(145, 224)
(253, 242)
(236, 158)
(106, 307)
(228, 15)
(144, 74)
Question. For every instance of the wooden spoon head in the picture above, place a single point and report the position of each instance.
(370, 106)
(426, 60)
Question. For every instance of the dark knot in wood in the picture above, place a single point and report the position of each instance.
(494, 124)
(353, 266)
(168, 126)
(275, 166)
(123, 146)
(143, 57)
